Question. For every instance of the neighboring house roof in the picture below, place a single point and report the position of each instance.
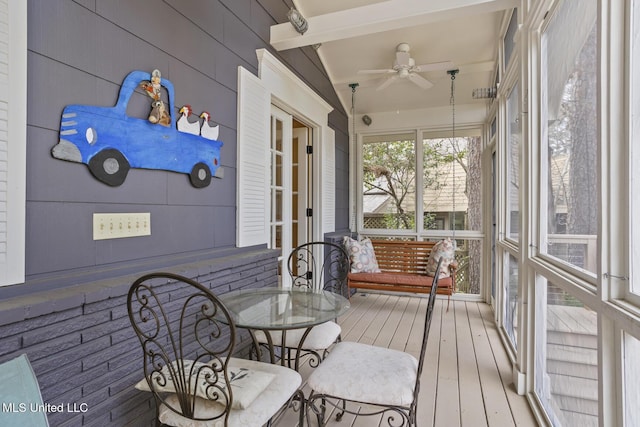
(375, 203)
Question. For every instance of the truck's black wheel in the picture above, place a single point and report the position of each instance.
(200, 175)
(110, 167)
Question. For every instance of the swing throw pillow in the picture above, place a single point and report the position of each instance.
(444, 249)
(361, 255)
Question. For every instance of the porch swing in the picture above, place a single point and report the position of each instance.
(406, 266)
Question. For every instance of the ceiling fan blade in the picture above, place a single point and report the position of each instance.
(388, 71)
(445, 65)
(420, 81)
(387, 82)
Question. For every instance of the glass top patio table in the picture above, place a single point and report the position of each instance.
(278, 309)
(282, 309)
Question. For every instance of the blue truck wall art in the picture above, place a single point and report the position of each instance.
(110, 141)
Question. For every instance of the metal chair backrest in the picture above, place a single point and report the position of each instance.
(319, 265)
(179, 321)
(425, 334)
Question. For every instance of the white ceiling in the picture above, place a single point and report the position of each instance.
(363, 34)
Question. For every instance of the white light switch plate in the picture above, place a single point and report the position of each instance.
(119, 225)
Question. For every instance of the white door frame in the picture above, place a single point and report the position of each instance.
(295, 97)
(279, 86)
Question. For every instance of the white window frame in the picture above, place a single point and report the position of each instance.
(630, 151)
(465, 130)
(13, 138)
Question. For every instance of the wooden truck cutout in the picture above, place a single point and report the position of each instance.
(110, 142)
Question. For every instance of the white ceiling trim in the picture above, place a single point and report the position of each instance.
(379, 17)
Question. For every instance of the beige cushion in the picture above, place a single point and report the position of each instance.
(320, 337)
(284, 384)
(246, 383)
(444, 249)
(366, 373)
(361, 255)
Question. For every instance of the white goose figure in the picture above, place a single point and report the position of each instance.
(207, 130)
(184, 125)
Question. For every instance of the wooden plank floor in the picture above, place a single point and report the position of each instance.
(466, 381)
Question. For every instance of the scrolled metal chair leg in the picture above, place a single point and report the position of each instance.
(303, 409)
(321, 415)
(341, 413)
(312, 403)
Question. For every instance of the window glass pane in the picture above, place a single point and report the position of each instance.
(566, 357)
(509, 38)
(511, 300)
(278, 138)
(278, 206)
(276, 237)
(631, 385)
(469, 272)
(570, 86)
(513, 163)
(389, 181)
(452, 195)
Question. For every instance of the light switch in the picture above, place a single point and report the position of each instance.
(119, 225)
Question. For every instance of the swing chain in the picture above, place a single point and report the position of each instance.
(452, 101)
(354, 140)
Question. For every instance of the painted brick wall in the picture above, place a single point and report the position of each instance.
(83, 349)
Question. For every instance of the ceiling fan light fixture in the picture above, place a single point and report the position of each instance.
(403, 47)
(404, 67)
(297, 20)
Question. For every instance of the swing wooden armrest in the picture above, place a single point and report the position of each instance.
(403, 266)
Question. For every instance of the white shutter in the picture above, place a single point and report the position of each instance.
(254, 102)
(328, 180)
(13, 136)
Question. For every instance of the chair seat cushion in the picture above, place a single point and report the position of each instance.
(246, 384)
(321, 336)
(398, 278)
(365, 373)
(284, 384)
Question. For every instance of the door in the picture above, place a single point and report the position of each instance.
(280, 189)
(291, 183)
(302, 171)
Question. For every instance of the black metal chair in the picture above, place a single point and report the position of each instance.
(313, 266)
(387, 379)
(188, 339)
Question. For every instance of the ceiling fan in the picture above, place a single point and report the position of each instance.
(404, 67)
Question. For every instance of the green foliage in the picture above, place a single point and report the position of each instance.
(430, 221)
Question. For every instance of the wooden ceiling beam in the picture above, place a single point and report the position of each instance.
(379, 17)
